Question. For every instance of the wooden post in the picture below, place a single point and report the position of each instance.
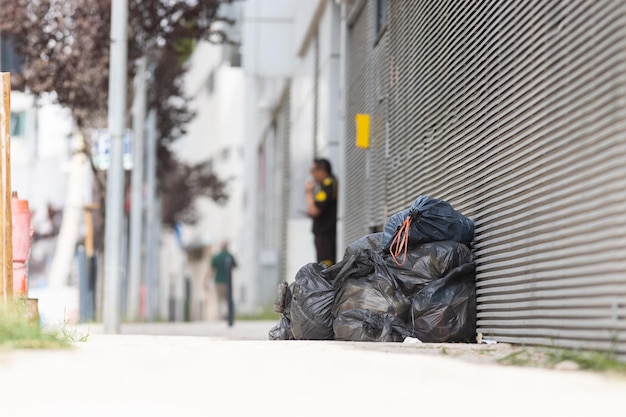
(6, 255)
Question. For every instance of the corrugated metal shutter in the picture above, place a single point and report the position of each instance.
(377, 178)
(514, 113)
(367, 93)
(355, 187)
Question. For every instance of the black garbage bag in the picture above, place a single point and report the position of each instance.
(426, 262)
(444, 310)
(282, 305)
(364, 282)
(282, 331)
(372, 241)
(369, 326)
(282, 302)
(431, 220)
(311, 304)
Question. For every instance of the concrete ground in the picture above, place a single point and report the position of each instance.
(209, 369)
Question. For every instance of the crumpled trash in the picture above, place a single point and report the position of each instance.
(444, 310)
(432, 220)
(311, 304)
(369, 326)
(282, 302)
(364, 282)
(373, 242)
(426, 262)
(420, 289)
(282, 331)
(282, 305)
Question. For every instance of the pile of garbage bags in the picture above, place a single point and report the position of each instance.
(415, 279)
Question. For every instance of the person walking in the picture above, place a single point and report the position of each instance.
(321, 198)
(222, 264)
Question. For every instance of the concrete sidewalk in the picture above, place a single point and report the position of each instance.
(210, 369)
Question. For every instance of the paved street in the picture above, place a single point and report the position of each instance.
(208, 369)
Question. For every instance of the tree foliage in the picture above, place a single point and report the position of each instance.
(65, 46)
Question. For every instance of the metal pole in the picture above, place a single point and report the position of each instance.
(136, 199)
(115, 176)
(151, 270)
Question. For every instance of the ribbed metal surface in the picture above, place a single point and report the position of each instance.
(283, 126)
(377, 173)
(514, 113)
(355, 189)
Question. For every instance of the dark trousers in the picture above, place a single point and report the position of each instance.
(326, 248)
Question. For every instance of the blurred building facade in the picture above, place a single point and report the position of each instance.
(215, 138)
(42, 145)
(513, 113)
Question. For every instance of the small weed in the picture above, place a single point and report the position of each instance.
(71, 334)
(518, 358)
(588, 360)
(550, 357)
(19, 329)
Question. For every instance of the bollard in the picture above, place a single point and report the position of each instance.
(22, 239)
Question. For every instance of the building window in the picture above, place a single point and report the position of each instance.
(10, 61)
(18, 124)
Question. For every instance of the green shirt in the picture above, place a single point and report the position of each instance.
(220, 263)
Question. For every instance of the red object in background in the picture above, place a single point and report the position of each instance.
(127, 200)
(22, 240)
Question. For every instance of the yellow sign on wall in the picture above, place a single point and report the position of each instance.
(362, 122)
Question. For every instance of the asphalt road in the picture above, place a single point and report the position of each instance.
(208, 369)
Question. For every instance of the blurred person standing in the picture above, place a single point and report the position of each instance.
(321, 198)
(222, 264)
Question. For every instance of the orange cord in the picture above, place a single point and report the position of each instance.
(400, 243)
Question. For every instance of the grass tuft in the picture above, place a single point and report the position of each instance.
(20, 329)
(588, 360)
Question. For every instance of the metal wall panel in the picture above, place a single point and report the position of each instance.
(358, 69)
(367, 93)
(514, 113)
(377, 178)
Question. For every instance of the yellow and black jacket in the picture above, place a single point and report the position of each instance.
(326, 200)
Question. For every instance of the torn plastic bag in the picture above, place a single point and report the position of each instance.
(372, 241)
(283, 298)
(311, 304)
(444, 310)
(369, 326)
(282, 305)
(282, 331)
(431, 220)
(364, 282)
(426, 262)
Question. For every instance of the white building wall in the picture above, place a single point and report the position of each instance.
(279, 50)
(267, 54)
(300, 246)
(315, 132)
(214, 137)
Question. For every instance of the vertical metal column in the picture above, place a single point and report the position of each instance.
(151, 230)
(137, 180)
(115, 177)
